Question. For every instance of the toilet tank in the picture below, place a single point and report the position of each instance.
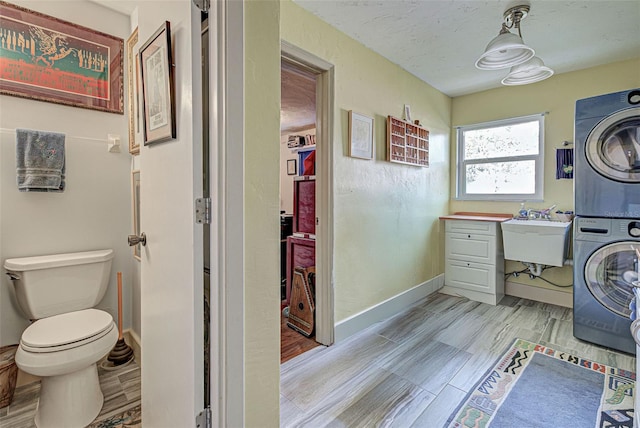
(59, 283)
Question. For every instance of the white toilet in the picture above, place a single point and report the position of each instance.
(67, 337)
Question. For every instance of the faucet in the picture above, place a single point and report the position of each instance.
(533, 214)
(541, 214)
(546, 214)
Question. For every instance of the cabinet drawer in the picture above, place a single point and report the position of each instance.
(468, 226)
(470, 247)
(472, 276)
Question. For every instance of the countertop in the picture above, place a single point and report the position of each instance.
(496, 217)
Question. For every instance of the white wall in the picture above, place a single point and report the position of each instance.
(94, 211)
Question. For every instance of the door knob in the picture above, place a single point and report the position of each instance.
(135, 239)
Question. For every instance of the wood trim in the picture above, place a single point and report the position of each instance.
(497, 217)
(483, 214)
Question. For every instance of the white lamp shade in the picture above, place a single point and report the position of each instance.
(531, 71)
(504, 51)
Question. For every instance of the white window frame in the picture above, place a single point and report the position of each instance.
(461, 192)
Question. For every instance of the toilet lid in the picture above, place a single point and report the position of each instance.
(66, 331)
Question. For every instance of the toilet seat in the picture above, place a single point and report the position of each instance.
(66, 331)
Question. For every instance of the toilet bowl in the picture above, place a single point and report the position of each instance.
(63, 350)
(68, 336)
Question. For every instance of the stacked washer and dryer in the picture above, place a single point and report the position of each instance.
(606, 248)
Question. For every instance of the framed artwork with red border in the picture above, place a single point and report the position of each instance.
(47, 59)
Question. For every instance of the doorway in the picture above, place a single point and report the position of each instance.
(297, 209)
(306, 198)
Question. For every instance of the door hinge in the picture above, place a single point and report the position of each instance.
(203, 420)
(203, 210)
(203, 5)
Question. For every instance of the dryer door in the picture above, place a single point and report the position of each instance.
(613, 146)
(610, 273)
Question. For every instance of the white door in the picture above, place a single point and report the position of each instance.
(172, 260)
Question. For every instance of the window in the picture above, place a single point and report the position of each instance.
(501, 160)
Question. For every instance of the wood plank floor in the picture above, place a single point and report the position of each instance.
(293, 343)
(121, 389)
(409, 371)
(412, 370)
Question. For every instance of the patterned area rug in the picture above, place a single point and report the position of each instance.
(130, 418)
(534, 386)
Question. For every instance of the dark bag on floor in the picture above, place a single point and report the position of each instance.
(302, 306)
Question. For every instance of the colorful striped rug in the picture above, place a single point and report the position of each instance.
(532, 386)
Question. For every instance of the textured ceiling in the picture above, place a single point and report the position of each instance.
(297, 98)
(439, 41)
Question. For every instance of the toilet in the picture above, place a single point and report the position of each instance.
(67, 336)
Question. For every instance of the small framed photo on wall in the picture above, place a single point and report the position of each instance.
(360, 136)
(291, 167)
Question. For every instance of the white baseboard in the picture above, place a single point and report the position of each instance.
(133, 340)
(386, 309)
(538, 294)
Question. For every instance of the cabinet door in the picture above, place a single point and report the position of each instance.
(304, 205)
(471, 247)
(472, 276)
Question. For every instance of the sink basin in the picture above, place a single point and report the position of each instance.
(536, 241)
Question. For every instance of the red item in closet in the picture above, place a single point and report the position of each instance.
(309, 164)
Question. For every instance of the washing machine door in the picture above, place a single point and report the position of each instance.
(613, 146)
(610, 273)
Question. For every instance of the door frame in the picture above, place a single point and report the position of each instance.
(226, 157)
(324, 72)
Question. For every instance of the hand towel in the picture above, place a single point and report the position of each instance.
(564, 163)
(40, 161)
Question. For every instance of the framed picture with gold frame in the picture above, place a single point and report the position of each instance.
(132, 92)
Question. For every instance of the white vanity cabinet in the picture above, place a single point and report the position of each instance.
(474, 260)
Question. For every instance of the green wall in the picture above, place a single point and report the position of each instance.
(387, 236)
(262, 206)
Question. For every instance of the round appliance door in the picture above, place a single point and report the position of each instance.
(610, 273)
(613, 146)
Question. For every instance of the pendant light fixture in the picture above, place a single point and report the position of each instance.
(508, 50)
(531, 71)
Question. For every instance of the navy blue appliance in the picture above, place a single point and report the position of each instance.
(605, 254)
(607, 155)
